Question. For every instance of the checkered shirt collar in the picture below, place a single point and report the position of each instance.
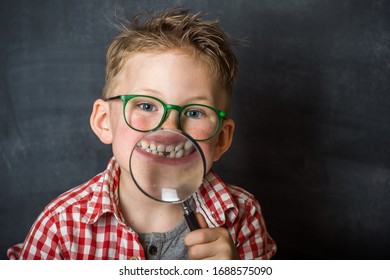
(212, 199)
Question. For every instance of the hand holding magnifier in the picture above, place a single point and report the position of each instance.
(168, 166)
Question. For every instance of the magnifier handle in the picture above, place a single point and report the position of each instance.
(189, 215)
(191, 221)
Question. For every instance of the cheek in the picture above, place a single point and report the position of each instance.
(124, 140)
(143, 123)
(208, 151)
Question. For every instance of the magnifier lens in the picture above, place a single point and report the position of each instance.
(167, 165)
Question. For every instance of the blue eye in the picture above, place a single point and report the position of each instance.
(195, 114)
(146, 107)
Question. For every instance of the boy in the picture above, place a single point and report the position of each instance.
(173, 57)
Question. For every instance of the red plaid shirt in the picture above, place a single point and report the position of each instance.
(85, 222)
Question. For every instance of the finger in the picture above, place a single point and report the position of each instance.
(201, 236)
(211, 243)
(201, 252)
(201, 220)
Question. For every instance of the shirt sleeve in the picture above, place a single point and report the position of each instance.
(252, 238)
(41, 242)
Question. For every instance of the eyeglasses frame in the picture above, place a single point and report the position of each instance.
(126, 98)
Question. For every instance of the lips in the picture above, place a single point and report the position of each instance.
(172, 150)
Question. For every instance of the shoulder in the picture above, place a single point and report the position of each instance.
(76, 197)
(240, 193)
(225, 203)
(247, 204)
(230, 192)
(92, 194)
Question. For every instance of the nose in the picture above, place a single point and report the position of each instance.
(171, 120)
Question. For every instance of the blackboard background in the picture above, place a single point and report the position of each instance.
(312, 107)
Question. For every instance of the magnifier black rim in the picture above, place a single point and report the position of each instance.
(193, 141)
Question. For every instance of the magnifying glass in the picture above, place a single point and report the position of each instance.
(167, 165)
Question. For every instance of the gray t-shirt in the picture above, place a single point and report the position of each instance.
(166, 245)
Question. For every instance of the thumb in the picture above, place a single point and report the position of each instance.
(201, 220)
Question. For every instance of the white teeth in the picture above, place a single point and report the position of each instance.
(144, 144)
(161, 148)
(179, 153)
(170, 148)
(170, 151)
(179, 147)
(187, 145)
(187, 152)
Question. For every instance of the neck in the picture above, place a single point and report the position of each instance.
(144, 214)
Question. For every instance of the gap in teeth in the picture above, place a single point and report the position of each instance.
(171, 151)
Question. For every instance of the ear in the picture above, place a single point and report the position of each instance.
(225, 138)
(99, 121)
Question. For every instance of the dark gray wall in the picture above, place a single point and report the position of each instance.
(311, 106)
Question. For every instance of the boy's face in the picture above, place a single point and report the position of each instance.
(175, 77)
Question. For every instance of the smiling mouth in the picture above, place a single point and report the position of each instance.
(177, 150)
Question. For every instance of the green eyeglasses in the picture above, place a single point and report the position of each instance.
(146, 113)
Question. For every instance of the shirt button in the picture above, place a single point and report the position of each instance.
(152, 250)
(134, 258)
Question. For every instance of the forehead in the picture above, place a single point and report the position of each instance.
(169, 60)
(174, 69)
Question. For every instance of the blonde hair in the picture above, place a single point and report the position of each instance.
(170, 29)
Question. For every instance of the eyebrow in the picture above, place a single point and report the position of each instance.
(160, 95)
